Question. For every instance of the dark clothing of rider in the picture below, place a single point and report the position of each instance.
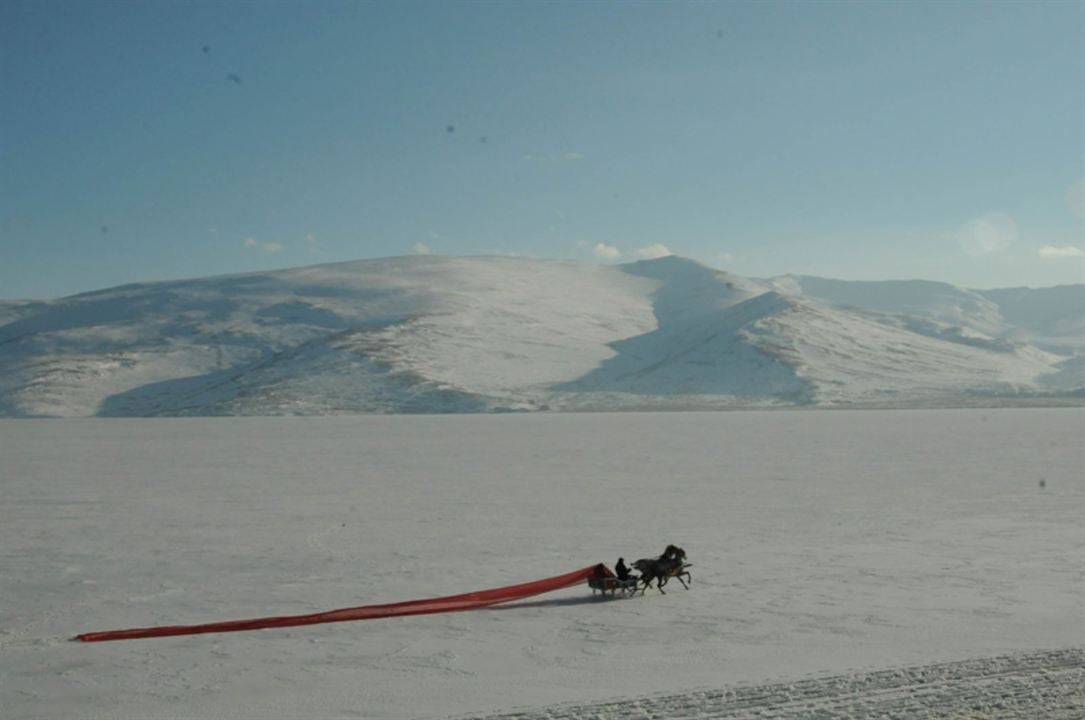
(621, 570)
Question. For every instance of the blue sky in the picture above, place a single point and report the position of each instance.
(157, 140)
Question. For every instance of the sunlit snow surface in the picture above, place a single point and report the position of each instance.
(822, 541)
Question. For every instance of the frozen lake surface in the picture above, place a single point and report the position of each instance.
(825, 544)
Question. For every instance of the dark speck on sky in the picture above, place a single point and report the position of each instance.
(588, 121)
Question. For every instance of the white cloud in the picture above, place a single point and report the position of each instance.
(606, 251)
(1049, 252)
(724, 257)
(651, 252)
(271, 247)
(421, 248)
(574, 156)
(310, 237)
(987, 235)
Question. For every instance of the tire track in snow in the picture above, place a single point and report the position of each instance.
(1048, 685)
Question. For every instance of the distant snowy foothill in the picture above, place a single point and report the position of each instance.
(488, 334)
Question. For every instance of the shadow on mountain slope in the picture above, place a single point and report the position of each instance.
(699, 346)
(328, 375)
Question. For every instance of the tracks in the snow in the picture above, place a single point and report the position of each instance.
(1049, 685)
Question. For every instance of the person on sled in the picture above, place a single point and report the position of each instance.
(622, 571)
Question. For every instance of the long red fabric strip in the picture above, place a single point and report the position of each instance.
(451, 603)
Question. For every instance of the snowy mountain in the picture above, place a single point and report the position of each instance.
(937, 301)
(432, 334)
(1050, 318)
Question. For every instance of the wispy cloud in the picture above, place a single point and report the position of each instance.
(987, 235)
(421, 248)
(271, 247)
(310, 238)
(651, 252)
(568, 157)
(608, 252)
(1054, 252)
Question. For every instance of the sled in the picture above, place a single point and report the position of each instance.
(612, 585)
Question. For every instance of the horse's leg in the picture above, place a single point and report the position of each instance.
(682, 581)
(661, 582)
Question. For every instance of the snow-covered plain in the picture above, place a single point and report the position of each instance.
(823, 542)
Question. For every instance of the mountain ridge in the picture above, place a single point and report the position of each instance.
(491, 333)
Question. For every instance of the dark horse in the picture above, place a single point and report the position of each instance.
(672, 563)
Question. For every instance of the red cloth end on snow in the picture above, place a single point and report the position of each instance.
(450, 603)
